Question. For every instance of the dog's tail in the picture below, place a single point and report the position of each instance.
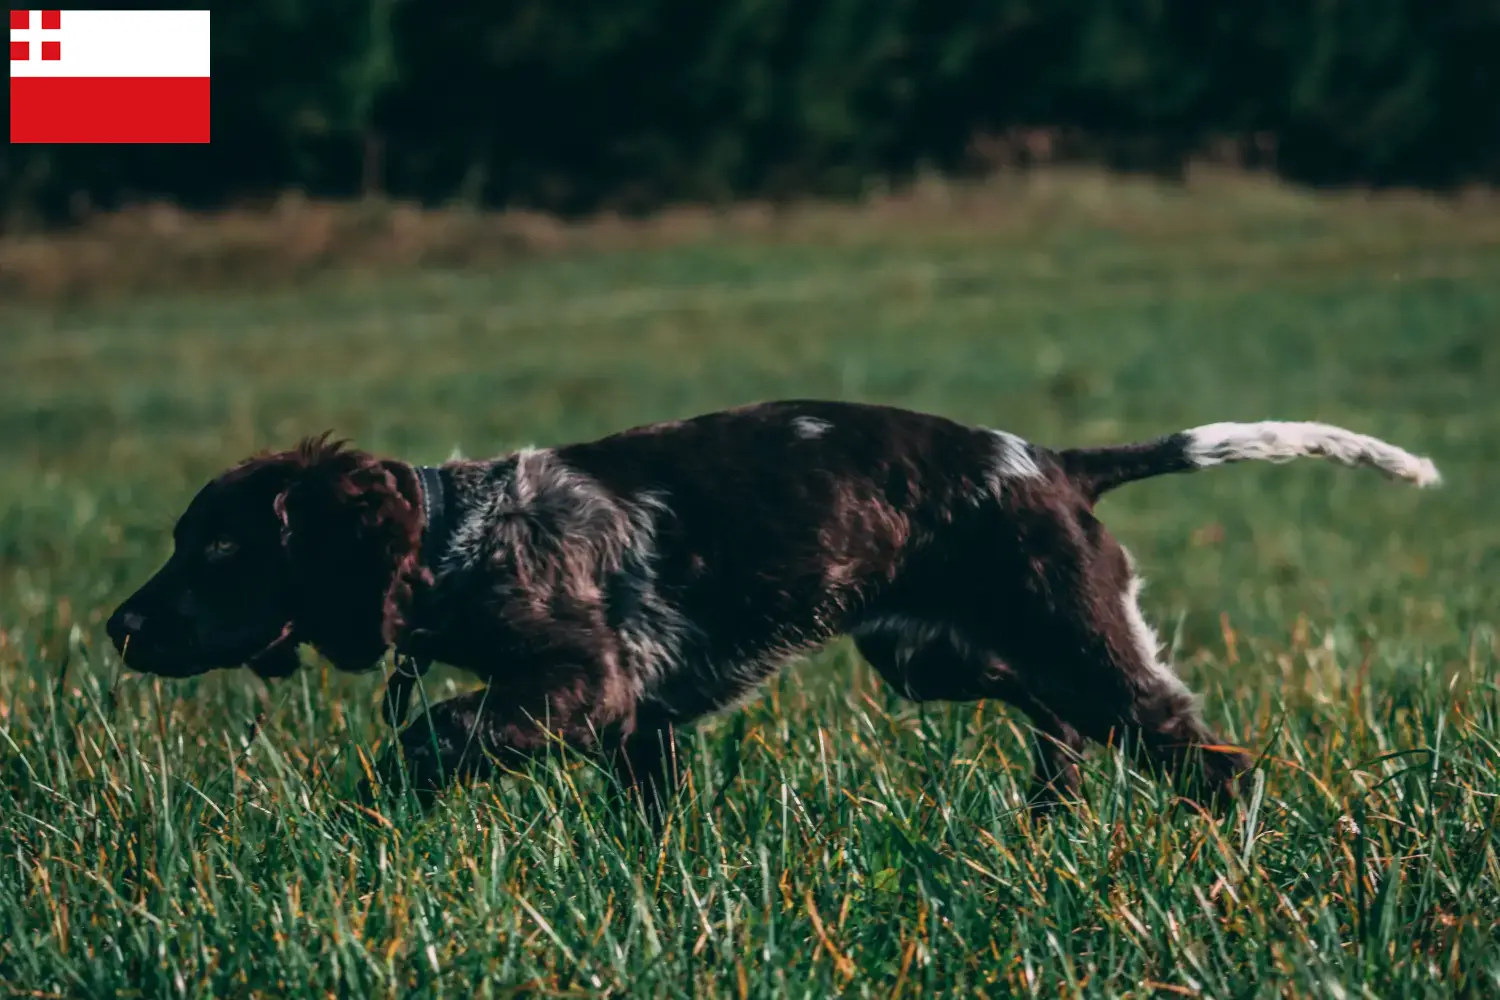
(1099, 470)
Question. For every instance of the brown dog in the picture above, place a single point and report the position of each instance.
(611, 591)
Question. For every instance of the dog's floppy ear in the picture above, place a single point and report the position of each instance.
(352, 529)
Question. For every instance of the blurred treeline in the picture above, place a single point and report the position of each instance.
(572, 105)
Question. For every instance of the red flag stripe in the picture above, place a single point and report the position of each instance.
(109, 109)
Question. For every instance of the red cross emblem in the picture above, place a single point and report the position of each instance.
(20, 20)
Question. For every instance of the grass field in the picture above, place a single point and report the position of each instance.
(194, 838)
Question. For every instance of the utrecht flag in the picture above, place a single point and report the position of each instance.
(109, 76)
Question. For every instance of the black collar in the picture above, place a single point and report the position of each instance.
(437, 517)
(437, 532)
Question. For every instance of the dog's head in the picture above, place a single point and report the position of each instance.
(319, 544)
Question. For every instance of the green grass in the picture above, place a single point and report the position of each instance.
(194, 838)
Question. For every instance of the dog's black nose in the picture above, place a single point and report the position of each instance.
(122, 625)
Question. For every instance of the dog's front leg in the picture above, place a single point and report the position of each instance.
(466, 738)
(647, 768)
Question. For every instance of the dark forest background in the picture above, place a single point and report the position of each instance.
(626, 104)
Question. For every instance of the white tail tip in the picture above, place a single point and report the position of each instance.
(1278, 441)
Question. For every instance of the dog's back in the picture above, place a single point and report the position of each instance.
(778, 526)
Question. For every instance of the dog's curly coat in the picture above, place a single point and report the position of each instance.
(611, 591)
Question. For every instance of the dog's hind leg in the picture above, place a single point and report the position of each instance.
(1082, 645)
(928, 664)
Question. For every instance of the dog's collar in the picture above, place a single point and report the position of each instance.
(437, 519)
(437, 531)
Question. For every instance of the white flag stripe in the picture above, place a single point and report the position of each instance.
(113, 43)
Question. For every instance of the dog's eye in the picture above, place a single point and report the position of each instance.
(220, 548)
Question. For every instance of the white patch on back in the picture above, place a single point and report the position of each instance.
(1012, 461)
(810, 427)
